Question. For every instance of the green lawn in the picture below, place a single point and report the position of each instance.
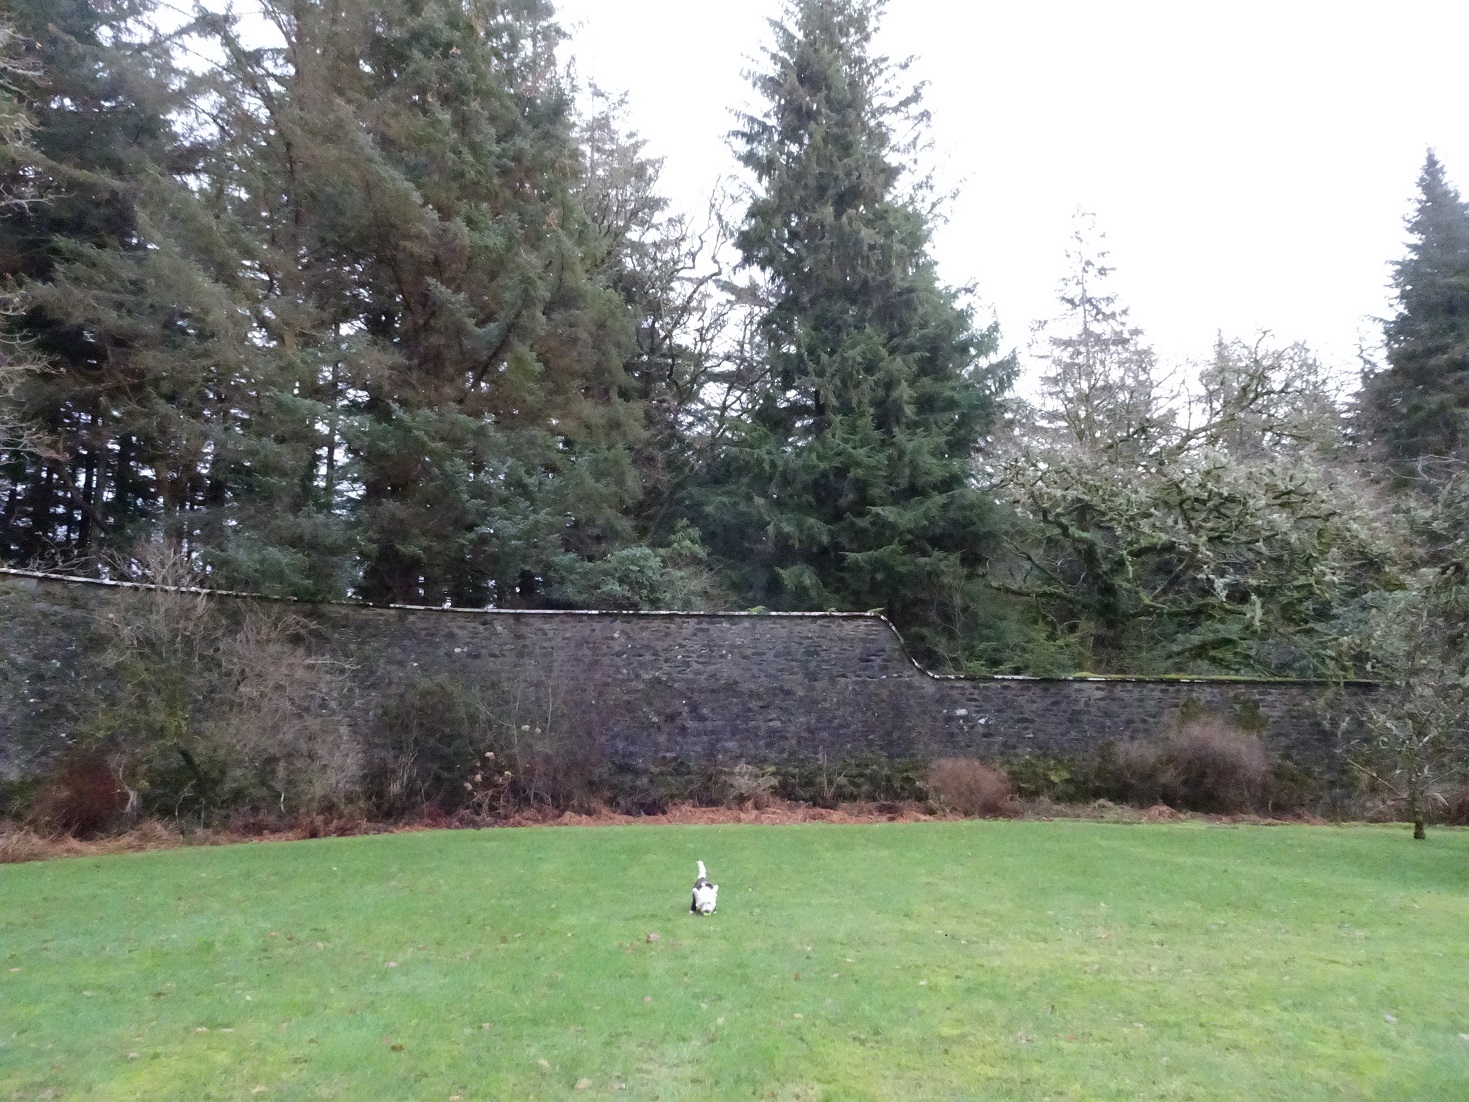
(936, 961)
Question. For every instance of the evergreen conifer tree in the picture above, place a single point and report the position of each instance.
(850, 483)
(1101, 387)
(1419, 405)
(122, 293)
(412, 170)
(15, 154)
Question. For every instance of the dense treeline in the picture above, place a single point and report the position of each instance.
(384, 308)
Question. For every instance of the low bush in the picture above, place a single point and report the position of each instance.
(431, 733)
(1051, 777)
(1456, 811)
(1209, 765)
(560, 772)
(1127, 773)
(632, 790)
(83, 797)
(1214, 766)
(1293, 788)
(830, 782)
(971, 788)
(745, 785)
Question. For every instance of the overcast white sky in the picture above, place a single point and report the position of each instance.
(1250, 162)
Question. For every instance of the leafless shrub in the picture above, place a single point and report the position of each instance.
(1128, 772)
(1456, 810)
(432, 732)
(84, 796)
(1208, 765)
(491, 789)
(968, 787)
(554, 768)
(745, 785)
(1211, 765)
(210, 709)
(282, 724)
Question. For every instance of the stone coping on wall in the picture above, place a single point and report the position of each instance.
(876, 617)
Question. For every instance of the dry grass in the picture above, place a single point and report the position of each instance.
(22, 843)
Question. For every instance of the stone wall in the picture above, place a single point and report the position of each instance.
(645, 686)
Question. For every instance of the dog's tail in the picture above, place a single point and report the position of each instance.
(702, 874)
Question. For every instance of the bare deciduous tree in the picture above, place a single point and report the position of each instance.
(1412, 737)
(1177, 528)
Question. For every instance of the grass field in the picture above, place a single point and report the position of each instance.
(983, 960)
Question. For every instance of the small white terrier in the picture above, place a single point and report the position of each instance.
(706, 895)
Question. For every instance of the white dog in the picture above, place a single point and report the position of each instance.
(706, 895)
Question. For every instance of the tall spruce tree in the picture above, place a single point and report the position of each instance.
(1101, 386)
(15, 154)
(411, 168)
(125, 293)
(1419, 405)
(849, 485)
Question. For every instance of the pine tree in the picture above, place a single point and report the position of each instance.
(412, 171)
(15, 154)
(122, 293)
(1101, 388)
(849, 485)
(1418, 406)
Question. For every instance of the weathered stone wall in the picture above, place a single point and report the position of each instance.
(658, 685)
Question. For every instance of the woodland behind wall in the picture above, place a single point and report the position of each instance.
(640, 688)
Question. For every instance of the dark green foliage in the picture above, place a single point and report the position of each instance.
(363, 308)
(434, 734)
(847, 484)
(412, 169)
(16, 359)
(1419, 404)
(328, 319)
(631, 790)
(129, 295)
(1053, 776)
